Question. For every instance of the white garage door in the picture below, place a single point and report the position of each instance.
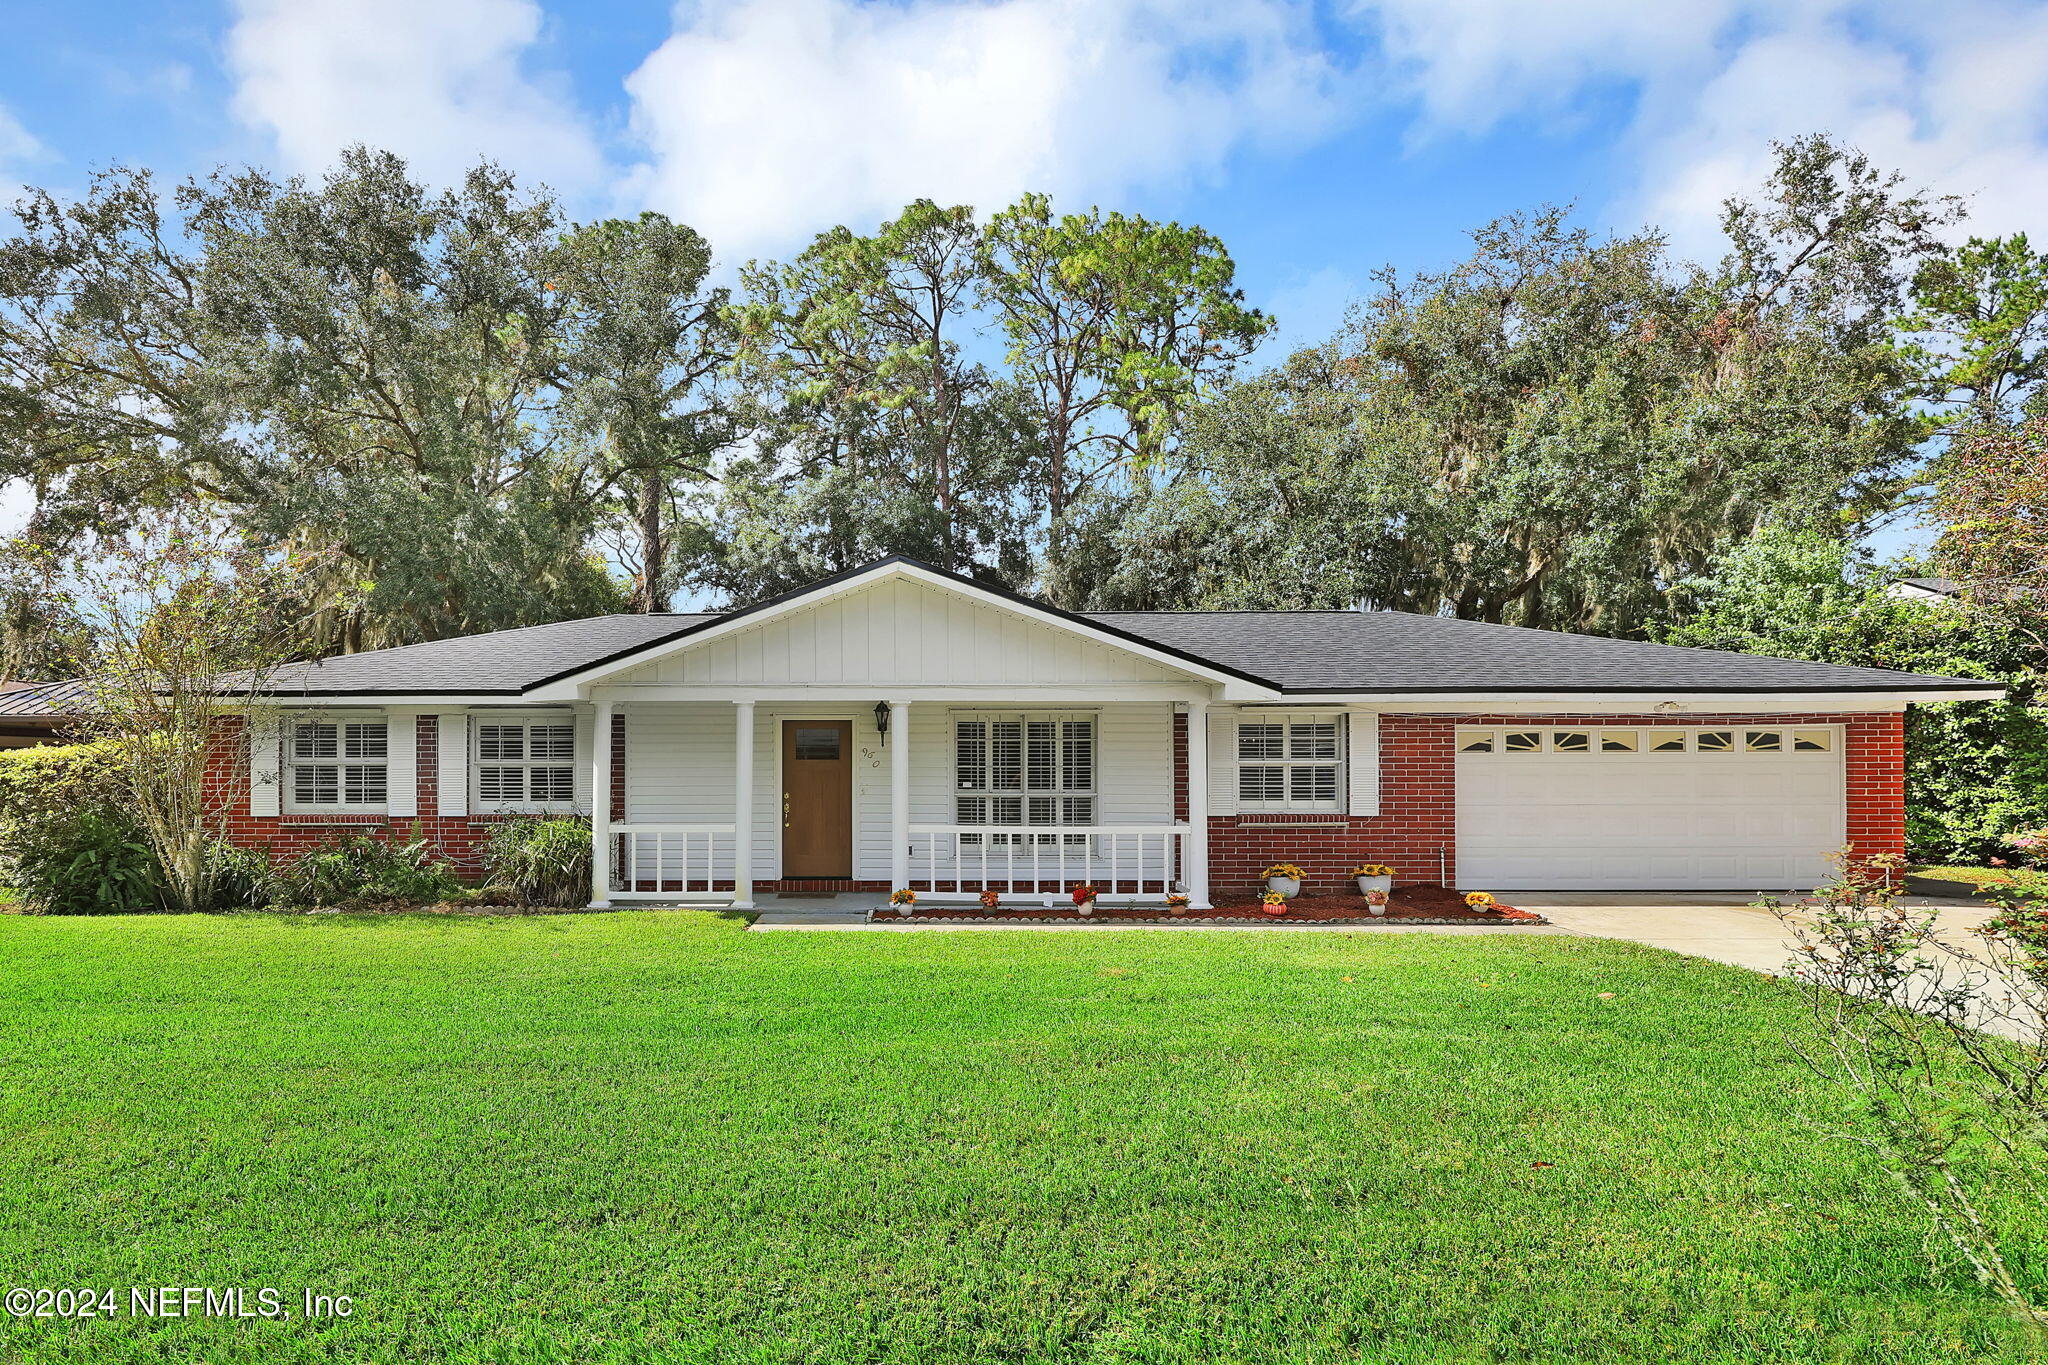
(1744, 808)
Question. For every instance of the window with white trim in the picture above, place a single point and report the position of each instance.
(1033, 768)
(1290, 763)
(336, 763)
(523, 763)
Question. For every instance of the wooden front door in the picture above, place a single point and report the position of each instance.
(817, 798)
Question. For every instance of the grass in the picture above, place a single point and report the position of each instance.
(1980, 876)
(643, 1137)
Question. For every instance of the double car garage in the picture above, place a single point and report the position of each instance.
(1710, 808)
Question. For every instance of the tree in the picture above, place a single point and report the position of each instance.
(1992, 502)
(1980, 326)
(186, 629)
(1554, 430)
(360, 369)
(42, 635)
(649, 342)
(1975, 771)
(875, 431)
(1114, 327)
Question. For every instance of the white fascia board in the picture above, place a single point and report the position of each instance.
(870, 693)
(576, 685)
(1636, 703)
(411, 701)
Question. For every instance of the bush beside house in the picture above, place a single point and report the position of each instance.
(67, 844)
(68, 847)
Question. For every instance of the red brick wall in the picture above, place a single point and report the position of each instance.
(1417, 815)
(460, 838)
(1414, 823)
(1414, 829)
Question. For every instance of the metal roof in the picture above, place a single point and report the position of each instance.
(45, 700)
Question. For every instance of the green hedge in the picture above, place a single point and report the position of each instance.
(67, 843)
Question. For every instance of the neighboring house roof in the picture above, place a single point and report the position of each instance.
(1353, 652)
(45, 700)
(1938, 587)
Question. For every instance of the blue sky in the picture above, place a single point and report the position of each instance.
(1319, 140)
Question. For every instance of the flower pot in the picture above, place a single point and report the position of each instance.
(1176, 909)
(1376, 907)
(1366, 884)
(1271, 909)
(1086, 907)
(1286, 886)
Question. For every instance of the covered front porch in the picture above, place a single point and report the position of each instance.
(948, 794)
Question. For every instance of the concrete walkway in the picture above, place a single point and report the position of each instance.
(1716, 925)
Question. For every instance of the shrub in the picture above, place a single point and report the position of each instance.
(67, 841)
(541, 862)
(357, 871)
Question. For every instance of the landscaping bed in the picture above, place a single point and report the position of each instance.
(1410, 905)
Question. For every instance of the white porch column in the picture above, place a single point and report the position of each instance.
(743, 807)
(600, 807)
(899, 795)
(1196, 870)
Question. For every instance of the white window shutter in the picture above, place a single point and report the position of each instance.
(1362, 762)
(452, 761)
(402, 764)
(266, 767)
(1223, 762)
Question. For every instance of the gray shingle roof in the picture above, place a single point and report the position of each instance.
(1391, 651)
(502, 661)
(1296, 651)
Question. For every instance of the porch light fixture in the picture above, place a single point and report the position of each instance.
(1668, 708)
(882, 719)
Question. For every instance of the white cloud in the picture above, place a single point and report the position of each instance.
(17, 145)
(1955, 95)
(18, 150)
(1472, 63)
(767, 120)
(437, 81)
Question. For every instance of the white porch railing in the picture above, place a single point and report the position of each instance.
(671, 862)
(1123, 862)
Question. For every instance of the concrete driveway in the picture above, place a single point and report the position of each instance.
(1717, 925)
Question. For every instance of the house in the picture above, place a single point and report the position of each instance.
(900, 726)
(1925, 589)
(35, 713)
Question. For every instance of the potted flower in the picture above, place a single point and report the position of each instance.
(1376, 902)
(904, 899)
(1481, 901)
(990, 902)
(1286, 878)
(1373, 877)
(1084, 898)
(1177, 902)
(1273, 903)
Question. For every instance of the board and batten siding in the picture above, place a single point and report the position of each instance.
(679, 764)
(901, 633)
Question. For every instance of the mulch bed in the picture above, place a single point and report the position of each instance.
(1408, 905)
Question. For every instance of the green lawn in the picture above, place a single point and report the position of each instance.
(657, 1137)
